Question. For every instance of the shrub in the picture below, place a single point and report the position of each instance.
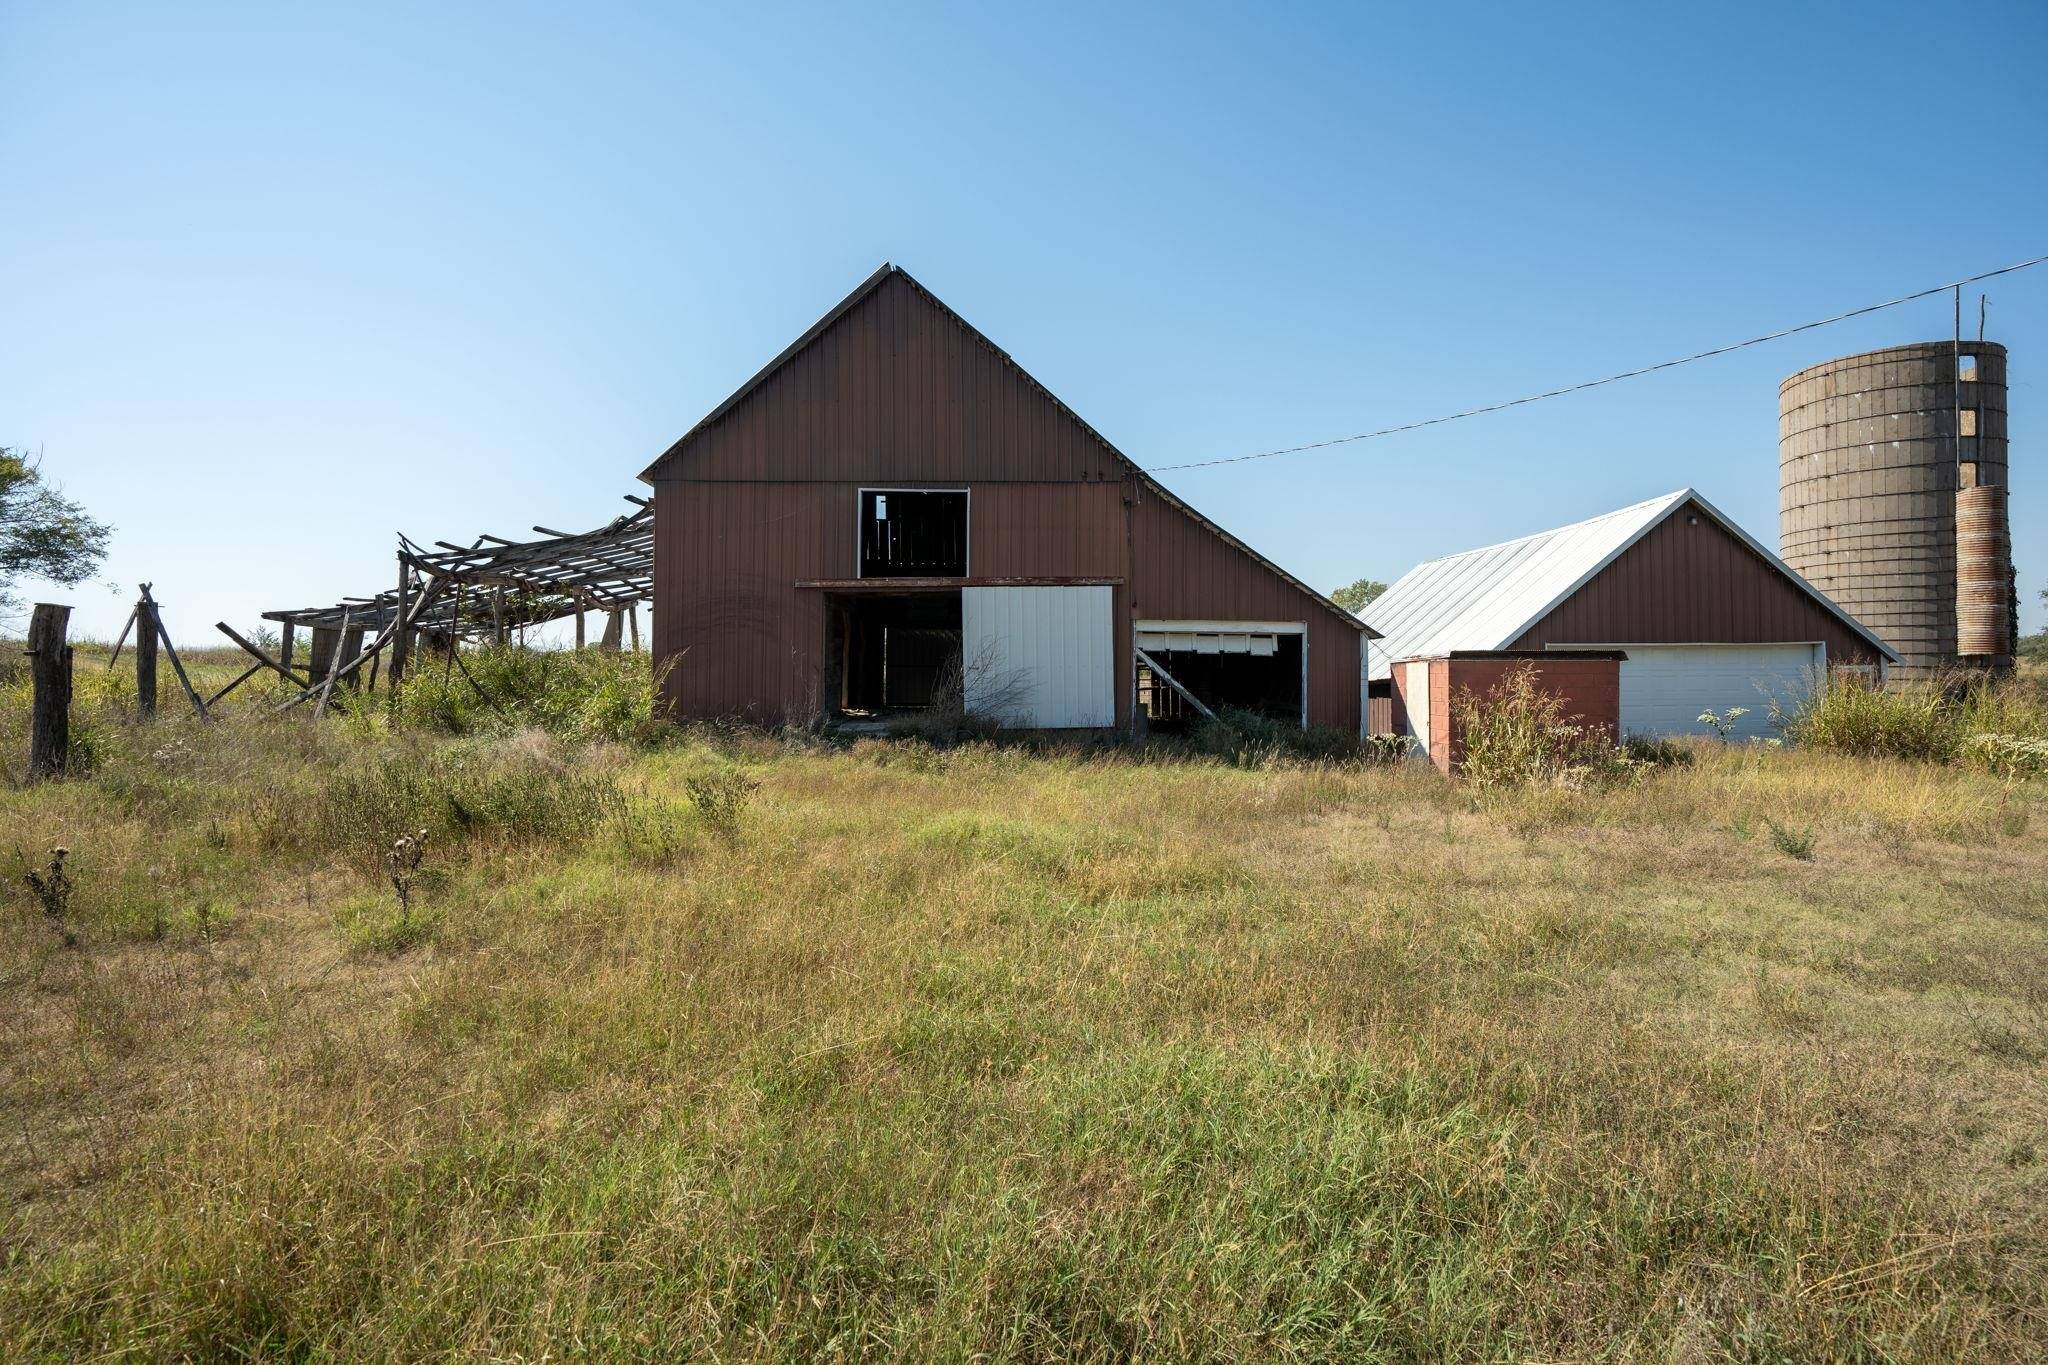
(998, 696)
(1380, 749)
(721, 796)
(578, 694)
(2016, 706)
(2015, 758)
(1793, 843)
(1655, 752)
(1250, 739)
(1850, 716)
(52, 888)
(1518, 734)
(461, 793)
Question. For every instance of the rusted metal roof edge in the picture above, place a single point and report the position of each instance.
(789, 352)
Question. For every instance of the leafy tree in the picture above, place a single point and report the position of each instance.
(43, 534)
(2035, 646)
(1354, 596)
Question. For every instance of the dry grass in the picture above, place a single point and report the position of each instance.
(964, 1053)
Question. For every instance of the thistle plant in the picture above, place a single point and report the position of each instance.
(53, 887)
(402, 866)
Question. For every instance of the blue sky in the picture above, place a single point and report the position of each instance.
(278, 283)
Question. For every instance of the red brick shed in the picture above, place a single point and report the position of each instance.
(1588, 682)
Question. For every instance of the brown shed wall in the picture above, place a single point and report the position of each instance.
(1181, 570)
(1693, 583)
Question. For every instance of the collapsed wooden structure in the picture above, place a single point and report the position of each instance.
(447, 593)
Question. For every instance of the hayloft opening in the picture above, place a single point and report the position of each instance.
(913, 533)
(890, 652)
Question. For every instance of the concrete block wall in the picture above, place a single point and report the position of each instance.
(1868, 479)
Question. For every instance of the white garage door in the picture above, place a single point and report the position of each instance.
(1665, 687)
(1039, 658)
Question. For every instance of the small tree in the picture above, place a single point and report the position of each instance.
(1353, 597)
(2035, 646)
(43, 534)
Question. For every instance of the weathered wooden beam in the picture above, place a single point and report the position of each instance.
(285, 640)
(327, 683)
(1172, 682)
(321, 657)
(399, 642)
(145, 660)
(384, 638)
(49, 727)
(352, 645)
(263, 659)
(251, 671)
(126, 626)
(171, 653)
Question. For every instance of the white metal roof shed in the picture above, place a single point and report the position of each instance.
(1489, 597)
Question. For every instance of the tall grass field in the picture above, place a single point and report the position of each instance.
(533, 1028)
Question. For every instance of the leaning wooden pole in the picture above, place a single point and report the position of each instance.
(115, 657)
(49, 731)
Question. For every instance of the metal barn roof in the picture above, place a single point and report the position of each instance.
(1488, 598)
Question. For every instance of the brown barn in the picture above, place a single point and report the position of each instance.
(1708, 618)
(893, 513)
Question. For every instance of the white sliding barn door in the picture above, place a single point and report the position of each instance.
(1664, 688)
(1039, 658)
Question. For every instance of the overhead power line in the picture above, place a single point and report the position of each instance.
(1609, 379)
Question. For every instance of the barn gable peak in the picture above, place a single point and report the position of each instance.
(861, 294)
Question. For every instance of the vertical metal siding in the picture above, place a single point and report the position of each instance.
(1686, 583)
(898, 392)
(1180, 570)
(1042, 658)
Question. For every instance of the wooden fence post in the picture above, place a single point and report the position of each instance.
(400, 645)
(285, 640)
(320, 655)
(351, 645)
(145, 660)
(49, 733)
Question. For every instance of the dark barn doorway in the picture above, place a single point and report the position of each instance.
(1269, 684)
(891, 652)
